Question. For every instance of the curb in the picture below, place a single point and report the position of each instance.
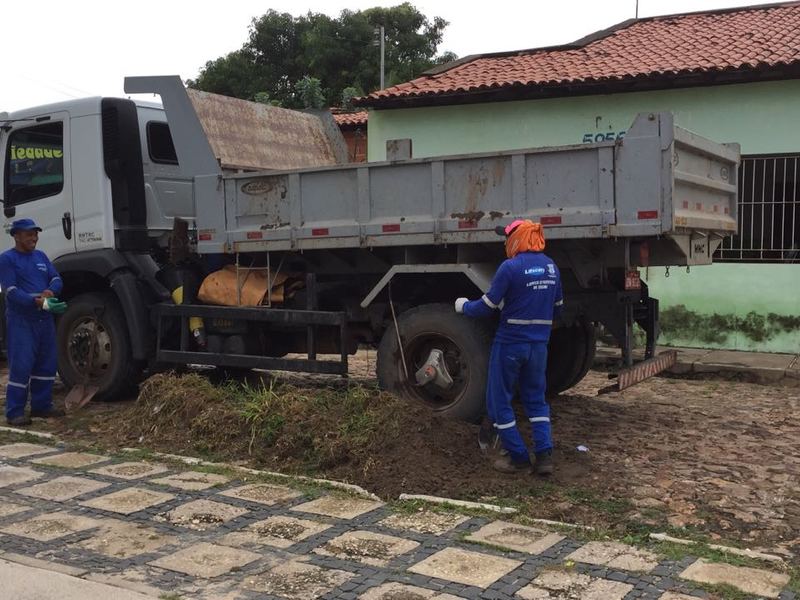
(39, 434)
(692, 365)
(663, 537)
(506, 510)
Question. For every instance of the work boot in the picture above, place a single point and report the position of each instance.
(20, 421)
(48, 413)
(505, 464)
(544, 463)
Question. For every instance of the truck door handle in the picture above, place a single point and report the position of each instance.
(66, 224)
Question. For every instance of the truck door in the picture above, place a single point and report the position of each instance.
(36, 179)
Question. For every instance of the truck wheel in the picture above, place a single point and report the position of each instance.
(465, 344)
(569, 355)
(112, 368)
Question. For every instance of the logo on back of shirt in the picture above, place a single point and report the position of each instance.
(551, 269)
(41, 267)
(535, 271)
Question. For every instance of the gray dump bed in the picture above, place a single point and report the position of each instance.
(660, 180)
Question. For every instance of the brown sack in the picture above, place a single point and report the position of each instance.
(220, 287)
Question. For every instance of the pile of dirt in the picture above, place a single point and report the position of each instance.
(348, 431)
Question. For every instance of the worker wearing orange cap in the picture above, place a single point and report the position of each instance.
(527, 291)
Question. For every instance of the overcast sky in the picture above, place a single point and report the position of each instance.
(54, 50)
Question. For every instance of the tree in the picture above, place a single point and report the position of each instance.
(348, 94)
(310, 91)
(282, 51)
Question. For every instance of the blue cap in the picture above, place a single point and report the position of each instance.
(24, 225)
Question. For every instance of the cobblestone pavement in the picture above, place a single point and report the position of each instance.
(170, 532)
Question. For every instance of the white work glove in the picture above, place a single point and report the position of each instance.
(460, 305)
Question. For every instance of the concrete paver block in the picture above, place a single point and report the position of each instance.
(751, 581)
(516, 537)
(129, 500)
(71, 460)
(425, 521)
(119, 539)
(14, 475)
(202, 514)
(467, 567)
(567, 585)
(675, 596)
(401, 591)
(366, 547)
(340, 507)
(615, 555)
(131, 470)
(206, 560)
(23, 449)
(50, 526)
(192, 480)
(297, 580)
(63, 488)
(11, 508)
(263, 493)
(278, 531)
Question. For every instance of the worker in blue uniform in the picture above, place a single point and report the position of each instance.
(31, 284)
(527, 291)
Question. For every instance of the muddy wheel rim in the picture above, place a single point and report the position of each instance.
(417, 350)
(80, 345)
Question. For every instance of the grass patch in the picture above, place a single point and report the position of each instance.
(611, 506)
(289, 424)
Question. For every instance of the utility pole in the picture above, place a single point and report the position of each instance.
(637, 9)
(379, 31)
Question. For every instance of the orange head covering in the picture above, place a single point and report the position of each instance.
(525, 236)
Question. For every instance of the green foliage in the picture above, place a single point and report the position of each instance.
(348, 94)
(310, 91)
(283, 50)
(263, 98)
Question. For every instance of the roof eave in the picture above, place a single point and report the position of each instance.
(583, 88)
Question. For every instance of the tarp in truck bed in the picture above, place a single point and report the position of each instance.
(253, 136)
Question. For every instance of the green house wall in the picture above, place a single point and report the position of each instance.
(742, 306)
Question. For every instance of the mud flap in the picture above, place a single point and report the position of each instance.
(641, 371)
(487, 435)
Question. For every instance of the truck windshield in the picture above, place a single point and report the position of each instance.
(34, 163)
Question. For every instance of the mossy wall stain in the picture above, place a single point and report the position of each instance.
(680, 322)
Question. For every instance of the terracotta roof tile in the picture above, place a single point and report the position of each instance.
(351, 118)
(745, 38)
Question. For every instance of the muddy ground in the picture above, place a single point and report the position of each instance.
(715, 457)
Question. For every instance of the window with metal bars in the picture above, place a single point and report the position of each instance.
(769, 212)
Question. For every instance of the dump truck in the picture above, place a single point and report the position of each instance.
(141, 202)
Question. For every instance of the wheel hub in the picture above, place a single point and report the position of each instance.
(435, 371)
(89, 348)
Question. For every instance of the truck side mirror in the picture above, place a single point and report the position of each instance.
(9, 211)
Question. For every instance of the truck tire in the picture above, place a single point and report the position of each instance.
(570, 355)
(113, 370)
(466, 344)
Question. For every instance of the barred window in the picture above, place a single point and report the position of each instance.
(769, 212)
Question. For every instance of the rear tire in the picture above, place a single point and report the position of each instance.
(113, 368)
(570, 355)
(466, 344)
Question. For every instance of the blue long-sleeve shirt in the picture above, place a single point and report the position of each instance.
(527, 290)
(23, 277)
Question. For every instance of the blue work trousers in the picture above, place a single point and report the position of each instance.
(519, 365)
(31, 363)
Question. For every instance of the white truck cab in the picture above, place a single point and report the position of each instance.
(62, 162)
